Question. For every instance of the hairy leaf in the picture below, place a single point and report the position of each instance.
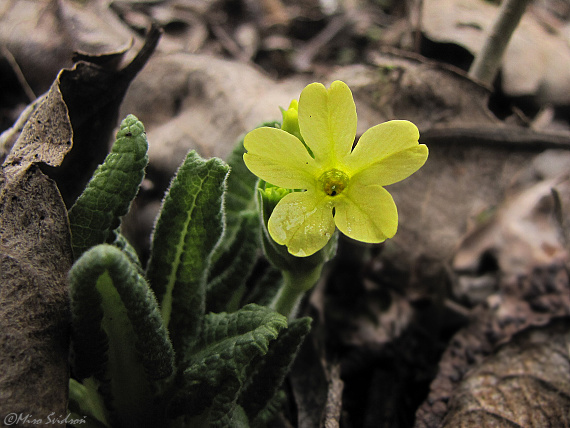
(115, 183)
(123, 244)
(226, 289)
(187, 230)
(86, 403)
(118, 334)
(221, 359)
(241, 185)
(240, 196)
(268, 374)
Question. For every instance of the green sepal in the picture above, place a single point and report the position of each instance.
(118, 336)
(220, 361)
(108, 195)
(267, 376)
(188, 228)
(226, 289)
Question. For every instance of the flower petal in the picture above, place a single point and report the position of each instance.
(303, 222)
(393, 168)
(366, 213)
(381, 141)
(279, 158)
(327, 119)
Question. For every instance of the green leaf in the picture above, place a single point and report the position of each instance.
(84, 400)
(267, 414)
(117, 334)
(266, 287)
(125, 246)
(234, 267)
(188, 228)
(264, 381)
(107, 197)
(217, 370)
(240, 194)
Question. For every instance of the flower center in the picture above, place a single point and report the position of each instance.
(333, 181)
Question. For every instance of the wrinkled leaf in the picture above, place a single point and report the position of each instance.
(188, 228)
(98, 210)
(220, 361)
(232, 270)
(118, 334)
(264, 382)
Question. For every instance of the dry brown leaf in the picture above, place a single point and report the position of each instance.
(46, 136)
(35, 247)
(93, 28)
(524, 232)
(92, 93)
(532, 300)
(42, 36)
(204, 103)
(524, 384)
(35, 255)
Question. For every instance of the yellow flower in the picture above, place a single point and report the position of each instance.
(341, 186)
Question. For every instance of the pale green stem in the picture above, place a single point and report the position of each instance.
(294, 287)
(487, 62)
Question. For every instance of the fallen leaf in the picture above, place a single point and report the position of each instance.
(92, 93)
(35, 244)
(35, 255)
(532, 300)
(526, 383)
(523, 232)
(203, 103)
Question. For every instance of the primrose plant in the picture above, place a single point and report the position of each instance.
(191, 338)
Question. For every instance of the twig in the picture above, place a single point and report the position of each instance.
(487, 62)
(18, 72)
(496, 137)
(304, 58)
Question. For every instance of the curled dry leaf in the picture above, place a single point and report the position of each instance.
(526, 230)
(35, 255)
(35, 244)
(526, 301)
(204, 103)
(526, 383)
(92, 91)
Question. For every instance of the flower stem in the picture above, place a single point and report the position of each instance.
(487, 62)
(294, 287)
